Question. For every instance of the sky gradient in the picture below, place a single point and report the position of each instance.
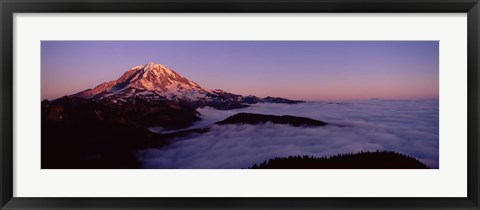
(305, 70)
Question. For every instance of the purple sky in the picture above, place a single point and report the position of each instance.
(308, 70)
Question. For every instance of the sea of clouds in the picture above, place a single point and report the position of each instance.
(405, 126)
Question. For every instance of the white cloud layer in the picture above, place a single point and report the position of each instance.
(409, 127)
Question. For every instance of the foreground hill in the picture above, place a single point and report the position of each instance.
(362, 160)
(81, 133)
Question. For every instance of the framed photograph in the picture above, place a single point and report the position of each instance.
(239, 104)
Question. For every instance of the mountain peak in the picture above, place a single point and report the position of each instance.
(153, 65)
(159, 70)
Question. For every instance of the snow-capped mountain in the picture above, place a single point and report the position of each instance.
(149, 79)
(157, 82)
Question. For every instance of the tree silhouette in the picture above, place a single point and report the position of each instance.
(361, 160)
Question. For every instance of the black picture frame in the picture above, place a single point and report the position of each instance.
(9, 7)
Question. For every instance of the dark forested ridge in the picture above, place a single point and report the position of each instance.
(250, 118)
(82, 133)
(362, 160)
